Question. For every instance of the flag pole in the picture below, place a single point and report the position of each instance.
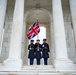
(37, 35)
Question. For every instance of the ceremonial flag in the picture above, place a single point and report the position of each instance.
(33, 30)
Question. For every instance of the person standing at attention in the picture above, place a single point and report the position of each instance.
(45, 52)
(38, 50)
(31, 52)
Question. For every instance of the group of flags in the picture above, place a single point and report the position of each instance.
(33, 30)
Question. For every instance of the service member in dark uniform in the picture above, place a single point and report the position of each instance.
(45, 51)
(38, 49)
(31, 52)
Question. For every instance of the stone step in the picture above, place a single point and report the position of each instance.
(37, 73)
(44, 70)
(36, 70)
(38, 67)
(28, 73)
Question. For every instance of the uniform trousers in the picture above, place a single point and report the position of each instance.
(45, 61)
(31, 61)
(38, 61)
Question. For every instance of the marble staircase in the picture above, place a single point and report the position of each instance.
(37, 70)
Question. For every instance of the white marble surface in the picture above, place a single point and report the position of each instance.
(62, 61)
(3, 5)
(37, 70)
(14, 59)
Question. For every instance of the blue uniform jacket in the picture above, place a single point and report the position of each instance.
(45, 50)
(38, 49)
(31, 51)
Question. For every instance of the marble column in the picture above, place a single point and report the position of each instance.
(73, 16)
(3, 5)
(14, 61)
(49, 42)
(26, 51)
(26, 44)
(61, 61)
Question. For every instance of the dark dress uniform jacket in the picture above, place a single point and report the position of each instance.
(31, 51)
(38, 49)
(45, 50)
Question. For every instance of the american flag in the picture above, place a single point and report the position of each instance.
(33, 30)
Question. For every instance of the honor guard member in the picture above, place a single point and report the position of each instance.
(31, 52)
(45, 51)
(38, 49)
